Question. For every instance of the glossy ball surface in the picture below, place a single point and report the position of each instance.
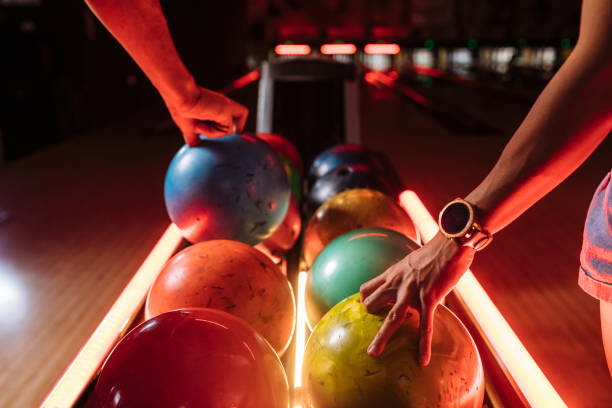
(338, 373)
(349, 261)
(344, 178)
(229, 276)
(234, 187)
(341, 155)
(295, 182)
(284, 147)
(192, 358)
(350, 210)
(286, 234)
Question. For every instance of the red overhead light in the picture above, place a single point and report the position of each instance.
(338, 49)
(292, 49)
(388, 49)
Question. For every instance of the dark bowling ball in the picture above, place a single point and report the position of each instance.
(192, 358)
(344, 178)
(337, 156)
(234, 187)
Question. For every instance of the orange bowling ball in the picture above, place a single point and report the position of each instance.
(350, 210)
(285, 235)
(229, 276)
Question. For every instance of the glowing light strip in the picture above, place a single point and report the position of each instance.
(509, 350)
(292, 49)
(300, 338)
(374, 77)
(337, 49)
(241, 82)
(388, 49)
(83, 368)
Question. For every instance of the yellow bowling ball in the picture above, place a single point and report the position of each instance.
(338, 373)
(350, 210)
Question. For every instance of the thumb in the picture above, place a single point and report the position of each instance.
(191, 138)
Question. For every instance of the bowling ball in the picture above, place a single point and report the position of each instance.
(284, 147)
(349, 261)
(233, 187)
(295, 182)
(338, 373)
(192, 358)
(354, 209)
(229, 276)
(285, 236)
(344, 178)
(341, 155)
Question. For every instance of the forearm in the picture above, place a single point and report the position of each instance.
(568, 121)
(140, 27)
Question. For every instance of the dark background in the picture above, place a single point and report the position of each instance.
(62, 73)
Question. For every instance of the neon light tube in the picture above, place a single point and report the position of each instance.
(241, 82)
(300, 338)
(89, 359)
(508, 349)
(292, 49)
(388, 49)
(338, 49)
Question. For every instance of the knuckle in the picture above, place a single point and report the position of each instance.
(394, 316)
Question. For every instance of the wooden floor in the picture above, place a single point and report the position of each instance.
(531, 268)
(80, 219)
(77, 220)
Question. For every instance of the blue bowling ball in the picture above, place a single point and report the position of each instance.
(234, 187)
(340, 155)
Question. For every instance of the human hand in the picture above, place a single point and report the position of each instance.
(418, 282)
(209, 113)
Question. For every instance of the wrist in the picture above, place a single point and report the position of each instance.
(183, 95)
(481, 209)
(459, 221)
(448, 249)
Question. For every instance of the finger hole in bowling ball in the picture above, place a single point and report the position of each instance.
(344, 172)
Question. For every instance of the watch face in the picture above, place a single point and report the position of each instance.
(455, 218)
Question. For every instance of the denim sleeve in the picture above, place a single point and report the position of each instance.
(595, 276)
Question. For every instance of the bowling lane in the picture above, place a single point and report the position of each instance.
(77, 221)
(530, 270)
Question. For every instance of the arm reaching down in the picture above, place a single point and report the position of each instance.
(140, 27)
(567, 122)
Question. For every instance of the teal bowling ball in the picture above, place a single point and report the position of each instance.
(349, 261)
(234, 187)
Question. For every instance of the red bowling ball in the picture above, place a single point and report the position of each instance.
(192, 358)
(284, 147)
(285, 236)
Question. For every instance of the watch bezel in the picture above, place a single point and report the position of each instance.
(468, 225)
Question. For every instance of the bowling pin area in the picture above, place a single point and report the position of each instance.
(136, 271)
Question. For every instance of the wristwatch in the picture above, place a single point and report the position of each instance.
(458, 221)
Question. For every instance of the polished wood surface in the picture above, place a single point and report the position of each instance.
(531, 269)
(77, 221)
